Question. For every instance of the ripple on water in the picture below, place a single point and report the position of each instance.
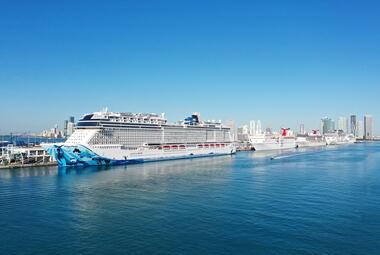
(307, 201)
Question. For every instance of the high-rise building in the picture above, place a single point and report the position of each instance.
(321, 126)
(258, 128)
(245, 129)
(231, 124)
(302, 129)
(243, 133)
(252, 127)
(359, 129)
(56, 129)
(343, 124)
(368, 126)
(327, 125)
(353, 123)
(65, 127)
(70, 128)
(71, 119)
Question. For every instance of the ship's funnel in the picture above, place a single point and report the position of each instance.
(284, 131)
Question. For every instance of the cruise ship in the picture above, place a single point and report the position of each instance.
(108, 138)
(272, 142)
(312, 139)
(339, 138)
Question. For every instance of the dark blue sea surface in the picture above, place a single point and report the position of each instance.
(319, 201)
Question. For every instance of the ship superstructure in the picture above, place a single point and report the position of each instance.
(339, 138)
(103, 138)
(312, 139)
(274, 141)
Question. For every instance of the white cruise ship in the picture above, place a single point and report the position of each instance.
(107, 138)
(272, 142)
(312, 139)
(339, 138)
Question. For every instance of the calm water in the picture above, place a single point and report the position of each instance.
(324, 201)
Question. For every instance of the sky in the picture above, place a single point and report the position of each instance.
(283, 62)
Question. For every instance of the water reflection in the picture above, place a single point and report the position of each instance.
(28, 172)
(258, 158)
(246, 201)
(146, 169)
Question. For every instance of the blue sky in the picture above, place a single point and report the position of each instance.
(284, 62)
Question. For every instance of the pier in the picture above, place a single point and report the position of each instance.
(16, 157)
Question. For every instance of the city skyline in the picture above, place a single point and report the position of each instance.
(251, 126)
(285, 63)
(360, 128)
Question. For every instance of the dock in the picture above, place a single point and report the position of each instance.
(18, 157)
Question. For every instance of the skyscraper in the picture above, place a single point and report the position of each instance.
(327, 125)
(258, 128)
(243, 133)
(231, 124)
(245, 129)
(343, 124)
(353, 124)
(368, 126)
(252, 127)
(359, 129)
(70, 128)
(302, 129)
(71, 119)
(65, 127)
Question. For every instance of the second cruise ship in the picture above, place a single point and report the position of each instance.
(108, 138)
(267, 142)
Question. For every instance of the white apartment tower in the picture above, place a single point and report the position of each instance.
(343, 124)
(252, 127)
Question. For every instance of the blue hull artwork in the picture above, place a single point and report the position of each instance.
(80, 156)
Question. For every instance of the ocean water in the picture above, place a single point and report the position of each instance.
(319, 201)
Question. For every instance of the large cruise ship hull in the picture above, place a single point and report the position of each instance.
(336, 140)
(282, 145)
(108, 138)
(81, 155)
(310, 144)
